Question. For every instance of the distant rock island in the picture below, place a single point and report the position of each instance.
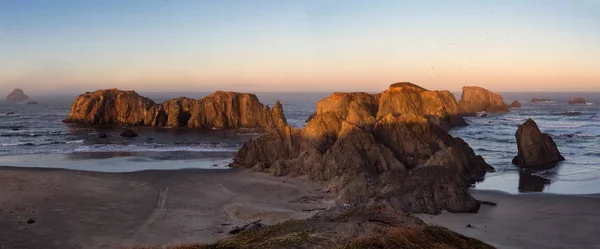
(219, 110)
(478, 99)
(535, 100)
(17, 95)
(577, 101)
(386, 147)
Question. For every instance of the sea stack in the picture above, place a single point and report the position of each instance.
(536, 149)
(17, 95)
(478, 99)
(219, 110)
(515, 104)
(388, 146)
(577, 101)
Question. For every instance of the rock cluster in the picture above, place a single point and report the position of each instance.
(536, 149)
(17, 95)
(577, 101)
(387, 146)
(220, 110)
(477, 99)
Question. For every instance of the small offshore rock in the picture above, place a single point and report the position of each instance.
(128, 133)
(103, 135)
(488, 203)
(515, 104)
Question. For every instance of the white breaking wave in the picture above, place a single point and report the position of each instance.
(75, 142)
(138, 148)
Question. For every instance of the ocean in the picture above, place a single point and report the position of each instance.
(34, 136)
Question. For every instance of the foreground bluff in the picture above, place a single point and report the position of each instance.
(536, 149)
(17, 95)
(221, 110)
(477, 99)
(383, 147)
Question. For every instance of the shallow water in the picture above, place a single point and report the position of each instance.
(35, 137)
(577, 138)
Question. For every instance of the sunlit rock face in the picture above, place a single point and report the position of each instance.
(477, 99)
(220, 110)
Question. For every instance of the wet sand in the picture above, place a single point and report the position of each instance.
(529, 220)
(75, 209)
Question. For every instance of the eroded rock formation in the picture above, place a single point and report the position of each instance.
(536, 149)
(577, 101)
(386, 146)
(220, 110)
(17, 95)
(477, 99)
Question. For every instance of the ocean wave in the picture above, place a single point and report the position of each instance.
(10, 127)
(30, 144)
(141, 148)
(21, 133)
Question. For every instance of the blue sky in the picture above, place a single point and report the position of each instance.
(299, 45)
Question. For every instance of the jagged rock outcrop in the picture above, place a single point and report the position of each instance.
(536, 149)
(220, 110)
(387, 146)
(515, 104)
(577, 101)
(477, 99)
(17, 95)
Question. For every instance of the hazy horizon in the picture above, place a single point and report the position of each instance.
(310, 46)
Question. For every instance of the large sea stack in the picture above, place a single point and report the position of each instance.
(478, 99)
(536, 149)
(220, 110)
(17, 95)
(377, 147)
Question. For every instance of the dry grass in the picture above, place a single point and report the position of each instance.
(358, 228)
(430, 237)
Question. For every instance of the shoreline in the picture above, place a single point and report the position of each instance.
(74, 209)
(528, 220)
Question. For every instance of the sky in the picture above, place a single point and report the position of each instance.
(304, 45)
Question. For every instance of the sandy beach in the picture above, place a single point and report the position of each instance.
(75, 209)
(529, 220)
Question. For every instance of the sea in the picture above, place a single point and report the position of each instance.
(34, 136)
